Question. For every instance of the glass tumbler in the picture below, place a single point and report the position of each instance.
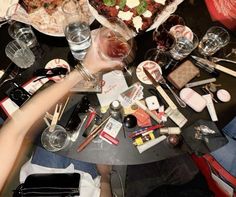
(56, 140)
(183, 47)
(214, 39)
(76, 29)
(20, 54)
(23, 32)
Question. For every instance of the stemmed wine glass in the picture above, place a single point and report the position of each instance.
(115, 42)
(164, 43)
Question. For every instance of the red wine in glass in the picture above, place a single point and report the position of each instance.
(171, 22)
(117, 48)
(114, 46)
(164, 40)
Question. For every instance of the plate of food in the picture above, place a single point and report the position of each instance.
(139, 15)
(46, 15)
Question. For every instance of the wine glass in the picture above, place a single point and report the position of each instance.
(172, 21)
(165, 41)
(115, 42)
(162, 36)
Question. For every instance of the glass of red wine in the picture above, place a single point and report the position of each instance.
(162, 36)
(115, 41)
(165, 41)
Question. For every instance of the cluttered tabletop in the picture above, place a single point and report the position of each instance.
(175, 94)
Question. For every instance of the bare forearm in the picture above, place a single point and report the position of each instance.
(105, 186)
(43, 101)
(12, 133)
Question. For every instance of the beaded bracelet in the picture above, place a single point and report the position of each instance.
(84, 72)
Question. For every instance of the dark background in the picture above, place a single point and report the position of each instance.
(196, 17)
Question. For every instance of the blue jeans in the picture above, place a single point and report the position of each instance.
(45, 158)
(226, 155)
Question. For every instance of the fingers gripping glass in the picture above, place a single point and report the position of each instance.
(115, 42)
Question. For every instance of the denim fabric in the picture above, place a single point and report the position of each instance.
(230, 129)
(45, 158)
(226, 156)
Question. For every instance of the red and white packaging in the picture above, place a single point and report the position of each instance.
(110, 131)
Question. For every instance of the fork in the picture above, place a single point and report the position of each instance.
(217, 59)
(162, 80)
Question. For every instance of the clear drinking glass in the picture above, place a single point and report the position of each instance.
(23, 32)
(76, 29)
(214, 39)
(56, 140)
(20, 54)
(115, 43)
(183, 47)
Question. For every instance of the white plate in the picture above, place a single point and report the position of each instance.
(159, 19)
(49, 24)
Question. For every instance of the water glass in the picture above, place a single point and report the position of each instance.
(214, 39)
(23, 32)
(56, 140)
(76, 29)
(20, 54)
(183, 47)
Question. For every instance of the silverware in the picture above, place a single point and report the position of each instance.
(162, 80)
(215, 66)
(217, 59)
(160, 89)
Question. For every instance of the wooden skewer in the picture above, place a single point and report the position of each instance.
(46, 121)
(64, 107)
(92, 135)
(55, 119)
(49, 116)
(99, 126)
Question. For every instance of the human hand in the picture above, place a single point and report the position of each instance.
(95, 63)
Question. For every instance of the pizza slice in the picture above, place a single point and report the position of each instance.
(137, 14)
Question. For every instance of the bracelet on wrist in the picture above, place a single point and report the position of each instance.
(84, 72)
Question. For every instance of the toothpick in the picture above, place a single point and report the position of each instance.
(64, 107)
(49, 116)
(46, 121)
(54, 119)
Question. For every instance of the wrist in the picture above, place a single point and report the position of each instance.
(87, 74)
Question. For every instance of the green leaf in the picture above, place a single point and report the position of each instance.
(122, 4)
(142, 7)
(46, 5)
(109, 2)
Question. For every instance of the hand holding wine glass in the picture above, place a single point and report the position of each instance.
(114, 43)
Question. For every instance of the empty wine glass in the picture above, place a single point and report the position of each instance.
(115, 41)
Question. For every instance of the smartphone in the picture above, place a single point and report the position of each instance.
(18, 94)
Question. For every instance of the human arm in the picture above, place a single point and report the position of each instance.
(105, 183)
(14, 131)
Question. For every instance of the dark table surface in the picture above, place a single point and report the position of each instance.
(198, 19)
